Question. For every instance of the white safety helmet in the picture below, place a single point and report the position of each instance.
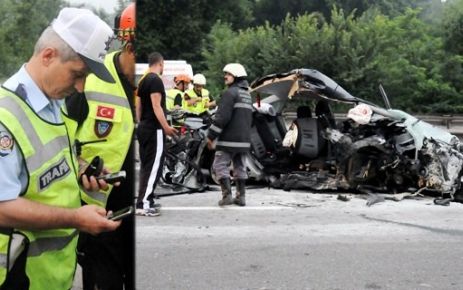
(199, 79)
(235, 69)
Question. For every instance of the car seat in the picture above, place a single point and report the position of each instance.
(324, 114)
(271, 131)
(309, 141)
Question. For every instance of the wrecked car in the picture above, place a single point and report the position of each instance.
(375, 149)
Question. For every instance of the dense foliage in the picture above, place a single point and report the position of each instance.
(402, 53)
(412, 47)
(21, 23)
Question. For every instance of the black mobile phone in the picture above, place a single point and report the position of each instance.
(120, 214)
(95, 167)
(113, 177)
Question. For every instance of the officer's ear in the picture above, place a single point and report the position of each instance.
(47, 55)
(129, 47)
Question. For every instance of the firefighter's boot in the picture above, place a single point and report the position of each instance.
(240, 192)
(225, 185)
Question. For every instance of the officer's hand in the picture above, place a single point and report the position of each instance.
(171, 131)
(210, 144)
(92, 219)
(93, 184)
(104, 172)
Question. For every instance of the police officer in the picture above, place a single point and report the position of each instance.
(232, 129)
(198, 100)
(40, 207)
(105, 114)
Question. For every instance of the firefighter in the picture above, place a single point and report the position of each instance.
(231, 127)
(106, 114)
(198, 100)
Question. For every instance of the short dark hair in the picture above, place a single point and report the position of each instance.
(154, 58)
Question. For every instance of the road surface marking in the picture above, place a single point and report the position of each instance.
(204, 208)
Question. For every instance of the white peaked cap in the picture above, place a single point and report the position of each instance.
(88, 35)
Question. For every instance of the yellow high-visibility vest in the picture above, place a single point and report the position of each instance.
(170, 98)
(52, 179)
(110, 117)
(198, 107)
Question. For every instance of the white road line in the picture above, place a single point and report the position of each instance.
(205, 208)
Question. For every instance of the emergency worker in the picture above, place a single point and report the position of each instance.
(106, 114)
(231, 128)
(40, 207)
(198, 100)
(174, 96)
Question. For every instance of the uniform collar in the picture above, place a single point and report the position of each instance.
(35, 97)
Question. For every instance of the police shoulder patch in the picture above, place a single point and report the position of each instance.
(102, 128)
(6, 143)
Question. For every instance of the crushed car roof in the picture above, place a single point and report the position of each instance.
(303, 81)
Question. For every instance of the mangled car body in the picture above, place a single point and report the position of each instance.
(374, 150)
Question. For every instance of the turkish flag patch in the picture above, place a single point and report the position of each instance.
(105, 112)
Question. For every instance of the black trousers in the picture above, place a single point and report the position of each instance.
(151, 147)
(108, 259)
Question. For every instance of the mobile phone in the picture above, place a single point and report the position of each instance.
(120, 214)
(113, 177)
(95, 167)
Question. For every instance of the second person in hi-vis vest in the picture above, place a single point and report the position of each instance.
(198, 100)
(106, 116)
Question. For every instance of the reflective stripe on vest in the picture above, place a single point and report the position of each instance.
(3, 260)
(243, 106)
(42, 245)
(234, 144)
(17, 244)
(99, 197)
(52, 180)
(43, 152)
(110, 117)
(215, 129)
(107, 98)
(3, 265)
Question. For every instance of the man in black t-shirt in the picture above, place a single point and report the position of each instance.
(151, 131)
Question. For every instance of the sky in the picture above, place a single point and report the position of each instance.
(108, 5)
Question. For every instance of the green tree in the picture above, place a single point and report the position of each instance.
(274, 11)
(177, 28)
(21, 24)
(452, 26)
(359, 52)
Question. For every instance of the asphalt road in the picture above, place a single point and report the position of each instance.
(297, 240)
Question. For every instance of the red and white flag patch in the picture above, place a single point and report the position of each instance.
(105, 112)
